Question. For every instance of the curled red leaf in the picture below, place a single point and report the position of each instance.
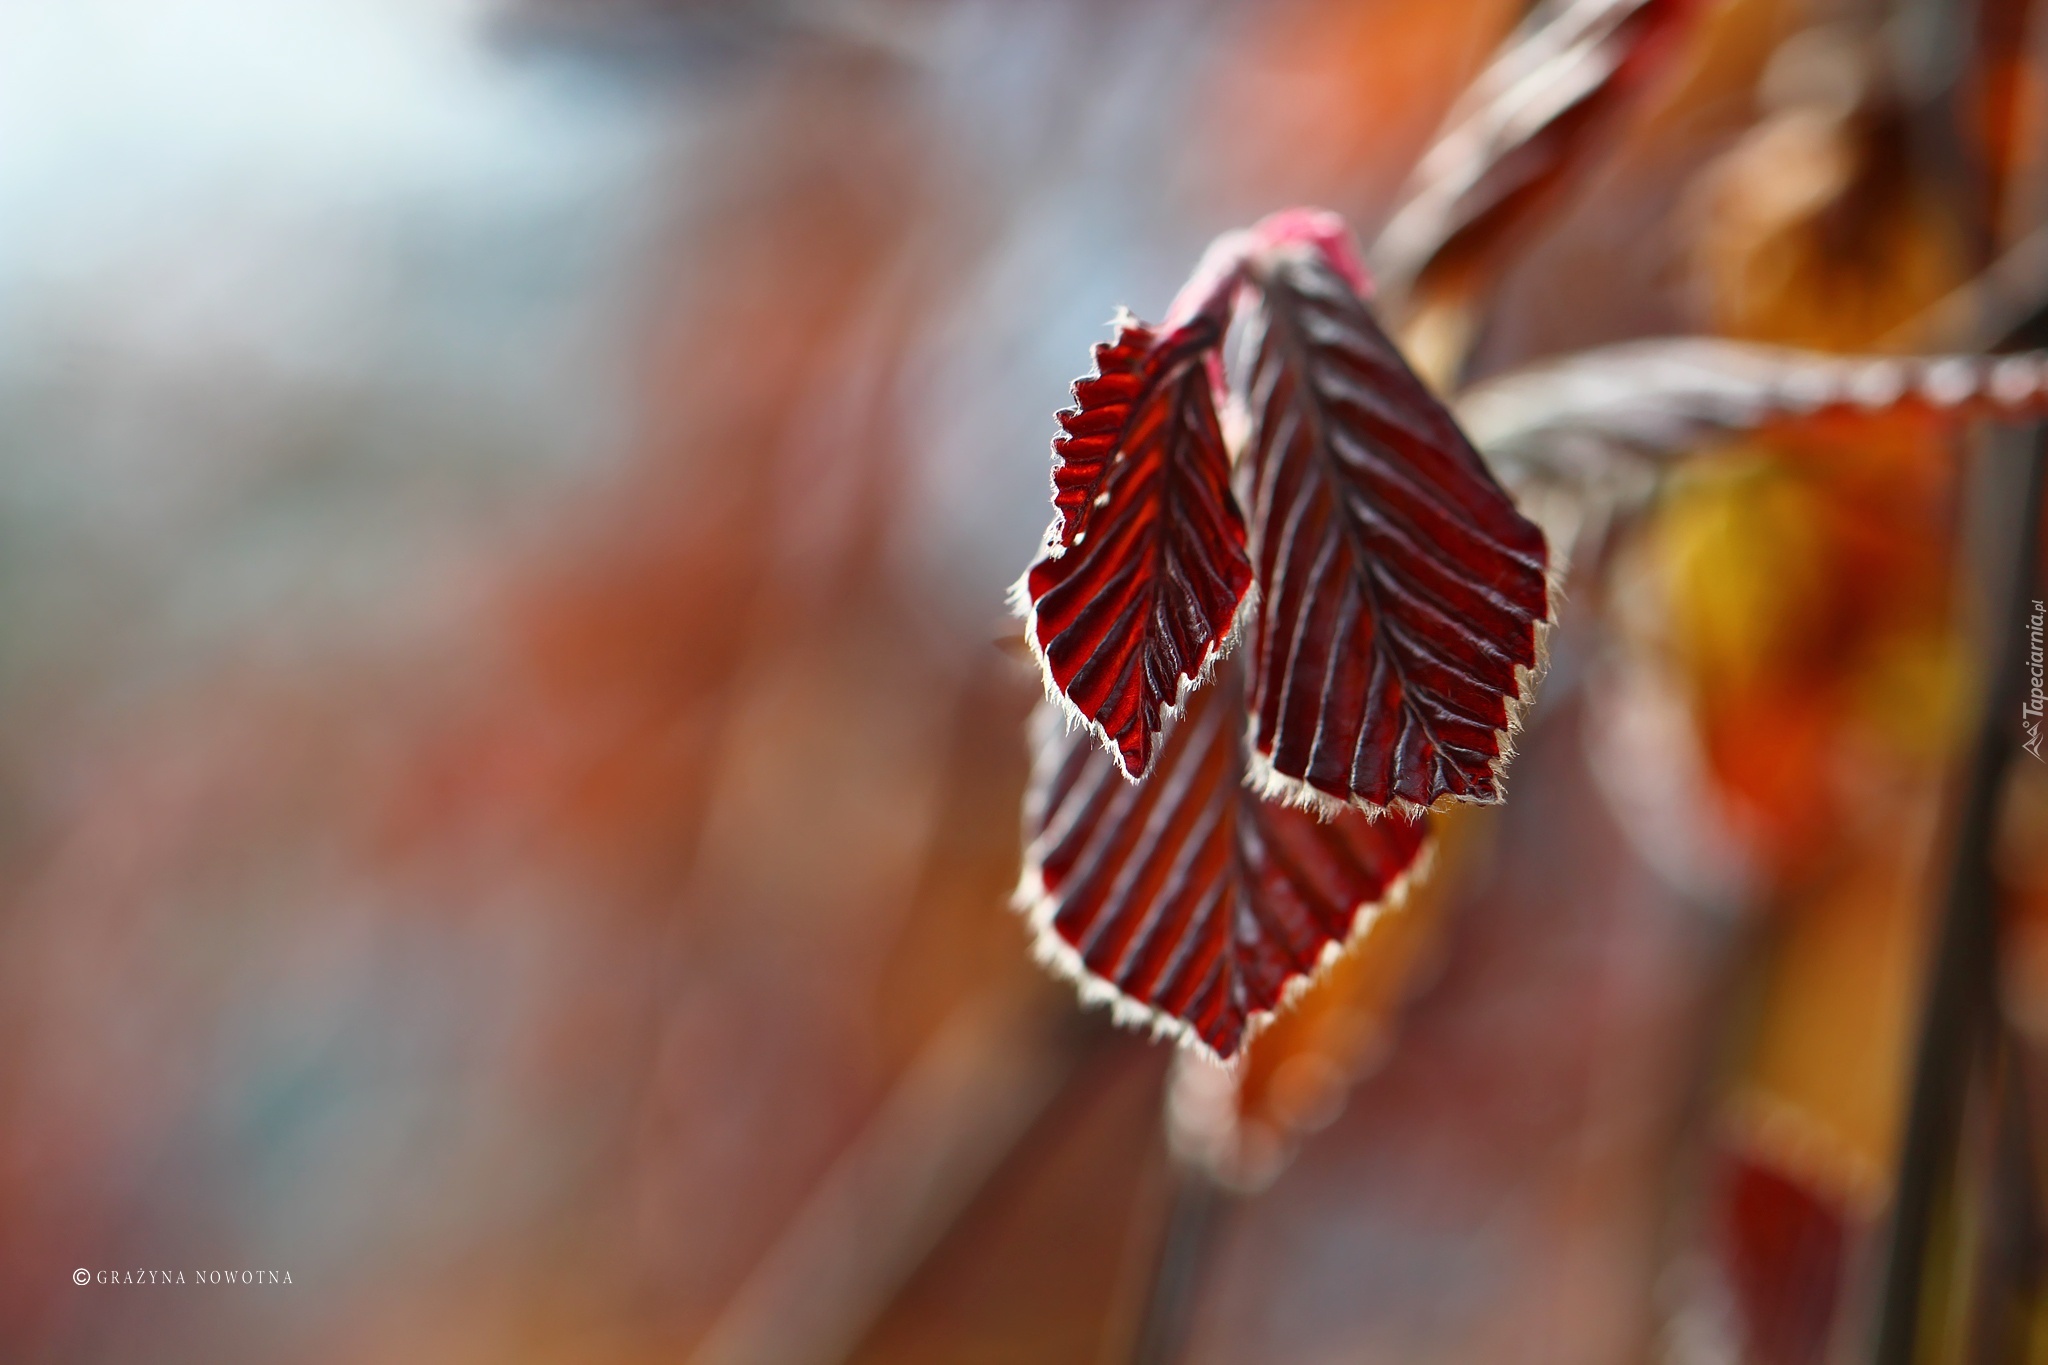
(1403, 596)
(1523, 131)
(1139, 586)
(1185, 899)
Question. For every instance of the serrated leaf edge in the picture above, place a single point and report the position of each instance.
(1062, 959)
(1241, 617)
(1275, 786)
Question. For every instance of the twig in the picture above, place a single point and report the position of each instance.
(1191, 1213)
(959, 1111)
(1958, 1008)
(1993, 303)
(2010, 1209)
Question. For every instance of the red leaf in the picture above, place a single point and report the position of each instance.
(1138, 588)
(1186, 899)
(1784, 1247)
(1404, 597)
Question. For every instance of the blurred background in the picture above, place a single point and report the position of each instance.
(510, 741)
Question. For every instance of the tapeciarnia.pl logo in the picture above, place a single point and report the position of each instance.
(2030, 710)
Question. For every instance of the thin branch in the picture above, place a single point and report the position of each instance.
(1191, 1217)
(1959, 1004)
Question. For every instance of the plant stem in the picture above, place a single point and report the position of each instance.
(1959, 1003)
(1170, 1303)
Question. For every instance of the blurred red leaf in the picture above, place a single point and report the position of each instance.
(1403, 595)
(1186, 899)
(1783, 1249)
(1143, 572)
(1525, 128)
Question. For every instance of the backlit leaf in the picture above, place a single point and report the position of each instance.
(1186, 899)
(1143, 573)
(1403, 596)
